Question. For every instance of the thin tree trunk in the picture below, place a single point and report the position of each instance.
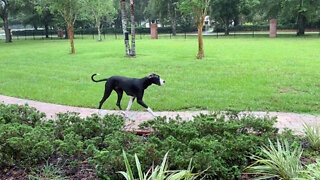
(99, 31)
(133, 31)
(174, 23)
(71, 36)
(124, 26)
(200, 40)
(301, 24)
(226, 29)
(46, 30)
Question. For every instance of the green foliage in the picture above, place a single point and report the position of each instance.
(312, 171)
(20, 114)
(278, 161)
(48, 171)
(313, 135)
(159, 172)
(221, 141)
(24, 139)
(195, 8)
(211, 140)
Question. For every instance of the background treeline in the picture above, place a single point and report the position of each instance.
(225, 15)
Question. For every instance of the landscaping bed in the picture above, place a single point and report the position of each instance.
(71, 147)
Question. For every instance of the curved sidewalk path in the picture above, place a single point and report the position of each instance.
(285, 120)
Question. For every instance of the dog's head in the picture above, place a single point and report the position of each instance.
(155, 79)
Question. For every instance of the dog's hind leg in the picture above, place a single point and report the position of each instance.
(120, 93)
(107, 93)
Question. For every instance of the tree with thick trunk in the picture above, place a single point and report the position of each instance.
(6, 26)
(7, 6)
(133, 31)
(198, 9)
(301, 24)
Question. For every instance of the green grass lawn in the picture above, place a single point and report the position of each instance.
(259, 74)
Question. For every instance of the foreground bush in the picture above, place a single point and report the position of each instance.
(278, 161)
(220, 141)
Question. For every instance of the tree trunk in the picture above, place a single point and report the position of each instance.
(124, 26)
(236, 21)
(174, 23)
(200, 40)
(6, 28)
(99, 31)
(301, 24)
(46, 30)
(226, 30)
(71, 36)
(133, 31)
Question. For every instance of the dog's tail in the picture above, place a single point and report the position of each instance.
(97, 80)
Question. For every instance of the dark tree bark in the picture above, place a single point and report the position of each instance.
(301, 24)
(226, 28)
(236, 21)
(4, 17)
(133, 31)
(46, 28)
(124, 26)
(6, 29)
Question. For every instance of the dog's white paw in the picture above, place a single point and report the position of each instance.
(124, 114)
(99, 112)
(155, 115)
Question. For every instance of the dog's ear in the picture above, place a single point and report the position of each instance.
(150, 76)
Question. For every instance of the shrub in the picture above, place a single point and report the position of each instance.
(23, 140)
(20, 114)
(221, 141)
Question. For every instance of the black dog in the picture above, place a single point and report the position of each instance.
(131, 86)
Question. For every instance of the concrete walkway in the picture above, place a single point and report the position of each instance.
(285, 120)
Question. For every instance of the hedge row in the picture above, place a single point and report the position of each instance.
(221, 141)
(139, 30)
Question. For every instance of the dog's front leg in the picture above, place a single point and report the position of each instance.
(130, 103)
(151, 112)
(148, 108)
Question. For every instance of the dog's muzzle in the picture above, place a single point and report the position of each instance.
(162, 82)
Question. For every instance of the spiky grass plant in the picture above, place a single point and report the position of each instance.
(278, 162)
(313, 135)
(159, 172)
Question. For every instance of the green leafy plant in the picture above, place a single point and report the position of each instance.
(278, 161)
(48, 171)
(313, 135)
(157, 173)
(312, 171)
